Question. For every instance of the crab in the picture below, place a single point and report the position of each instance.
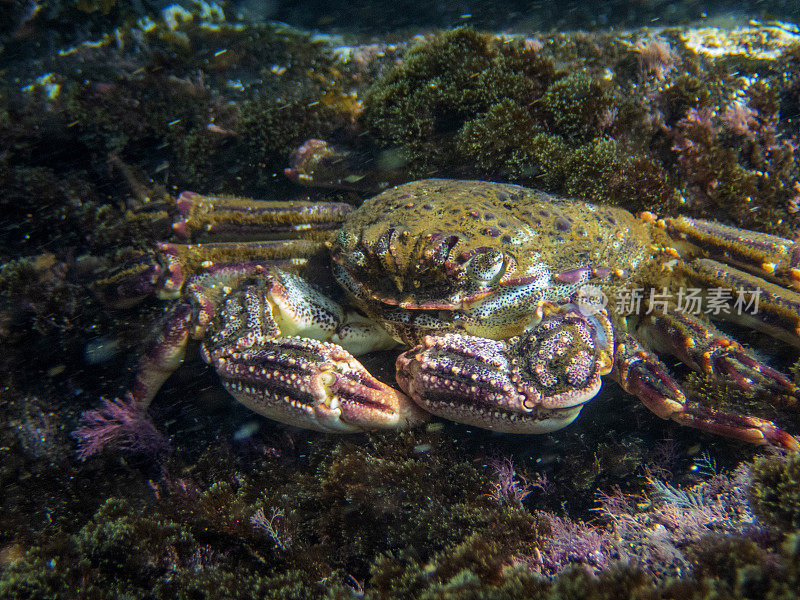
(504, 297)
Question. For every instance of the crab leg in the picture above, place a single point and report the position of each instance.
(124, 423)
(163, 356)
(231, 218)
(640, 373)
(708, 350)
(286, 234)
(186, 320)
(194, 258)
(767, 255)
(777, 310)
(165, 274)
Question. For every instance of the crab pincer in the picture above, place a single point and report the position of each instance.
(533, 383)
(312, 384)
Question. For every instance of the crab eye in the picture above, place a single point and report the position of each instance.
(486, 268)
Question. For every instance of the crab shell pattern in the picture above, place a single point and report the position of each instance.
(498, 291)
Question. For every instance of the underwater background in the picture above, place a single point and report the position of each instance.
(109, 110)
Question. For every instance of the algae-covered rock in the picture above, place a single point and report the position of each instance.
(446, 81)
(775, 491)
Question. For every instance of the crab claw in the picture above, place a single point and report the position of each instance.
(143, 275)
(312, 384)
(534, 383)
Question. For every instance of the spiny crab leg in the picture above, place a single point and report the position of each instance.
(533, 383)
(770, 256)
(165, 272)
(708, 350)
(227, 217)
(640, 373)
(283, 233)
(184, 321)
(770, 270)
(778, 309)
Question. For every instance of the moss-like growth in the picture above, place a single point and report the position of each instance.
(465, 105)
(366, 499)
(574, 105)
(499, 142)
(684, 92)
(775, 490)
(446, 81)
(643, 184)
(617, 583)
(593, 166)
(122, 540)
(549, 155)
(727, 558)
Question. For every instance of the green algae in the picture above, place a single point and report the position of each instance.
(775, 491)
(574, 105)
(499, 142)
(453, 110)
(408, 524)
(462, 98)
(445, 82)
(336, 522)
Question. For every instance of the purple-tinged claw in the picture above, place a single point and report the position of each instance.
(312, 384)
(534, 383)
